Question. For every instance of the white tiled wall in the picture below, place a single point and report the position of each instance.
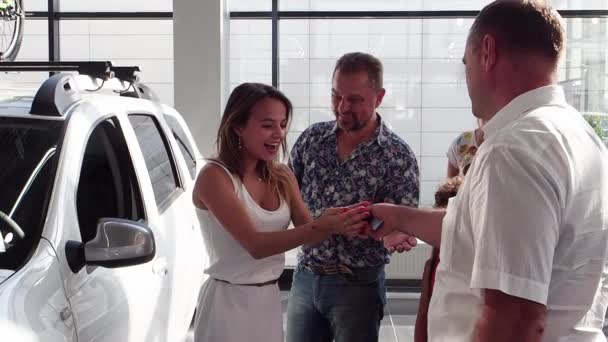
(145, 43)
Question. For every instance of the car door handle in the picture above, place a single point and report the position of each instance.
(160, 268)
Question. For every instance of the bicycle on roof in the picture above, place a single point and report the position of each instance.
(12, 17)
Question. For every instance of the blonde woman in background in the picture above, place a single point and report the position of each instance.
(463, 149)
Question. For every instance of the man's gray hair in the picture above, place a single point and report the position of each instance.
(354, 62)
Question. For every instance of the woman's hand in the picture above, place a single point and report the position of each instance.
(346, 221)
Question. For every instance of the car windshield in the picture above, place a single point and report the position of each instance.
(28, 158)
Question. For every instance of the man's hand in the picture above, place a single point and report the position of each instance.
(400, 242)
(388, 213)
(424, 224)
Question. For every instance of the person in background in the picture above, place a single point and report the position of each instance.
(245, 200)
(524, 244)
(463, 149)
(338, 288)
(446, 191)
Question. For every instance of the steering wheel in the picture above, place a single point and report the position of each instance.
(12, 224)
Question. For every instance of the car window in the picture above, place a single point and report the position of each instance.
(28, 155)
(183, 143)
(108, 185)
(159, 162)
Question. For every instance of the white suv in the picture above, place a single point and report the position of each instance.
(99, 240)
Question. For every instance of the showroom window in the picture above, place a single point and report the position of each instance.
(421, 44)
(293, 44)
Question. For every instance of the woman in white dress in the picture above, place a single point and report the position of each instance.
(245, 201)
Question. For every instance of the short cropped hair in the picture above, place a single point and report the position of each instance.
(528, 26)
(354, 62)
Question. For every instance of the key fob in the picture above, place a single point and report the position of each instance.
(375, 223)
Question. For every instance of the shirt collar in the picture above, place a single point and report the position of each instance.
(381, 132)
(552, 95)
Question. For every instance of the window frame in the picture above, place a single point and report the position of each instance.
(121, 149)
(182, 140)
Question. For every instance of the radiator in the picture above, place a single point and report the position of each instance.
(409, 265)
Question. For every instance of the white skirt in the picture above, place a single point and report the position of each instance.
(237, 313)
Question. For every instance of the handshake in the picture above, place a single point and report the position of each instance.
(366, 220)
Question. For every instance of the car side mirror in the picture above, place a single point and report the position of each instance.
(118, 243)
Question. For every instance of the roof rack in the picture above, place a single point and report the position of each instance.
(56, 94)
(97, 69)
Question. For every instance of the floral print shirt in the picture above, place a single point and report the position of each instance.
(382, 169)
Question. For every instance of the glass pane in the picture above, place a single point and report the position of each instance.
(153, 147)
(350, 5)
(426, 101)
(419, 5)
(36, 5)
(583, 70)
(580, 4)
(114, 40)
(250, 51)
(116, 6)
(250, 5)
(27, 155)
(34, 47)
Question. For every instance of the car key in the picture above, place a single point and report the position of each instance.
(375, 223)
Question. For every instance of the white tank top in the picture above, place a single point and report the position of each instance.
(229, 261)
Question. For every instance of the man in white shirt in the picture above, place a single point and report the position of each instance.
(524, 243)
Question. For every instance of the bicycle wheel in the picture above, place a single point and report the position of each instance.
(11, 30)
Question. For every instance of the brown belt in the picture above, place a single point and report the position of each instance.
(266, 283)
(329, 269)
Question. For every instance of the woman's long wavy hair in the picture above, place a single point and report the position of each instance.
(236, 114)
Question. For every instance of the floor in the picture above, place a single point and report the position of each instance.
(399, 318)
(398, 322)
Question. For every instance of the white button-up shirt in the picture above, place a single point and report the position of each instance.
(530, 220)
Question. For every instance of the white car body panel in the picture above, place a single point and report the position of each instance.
(153, 301)
(33, 304)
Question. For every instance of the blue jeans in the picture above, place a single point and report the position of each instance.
(344, 308)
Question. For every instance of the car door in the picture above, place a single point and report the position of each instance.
(169, 181)
(100, 180)
(189, 275)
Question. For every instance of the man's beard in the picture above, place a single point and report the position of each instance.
(355, 126)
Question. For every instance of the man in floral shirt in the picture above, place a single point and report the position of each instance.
(338, 287)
